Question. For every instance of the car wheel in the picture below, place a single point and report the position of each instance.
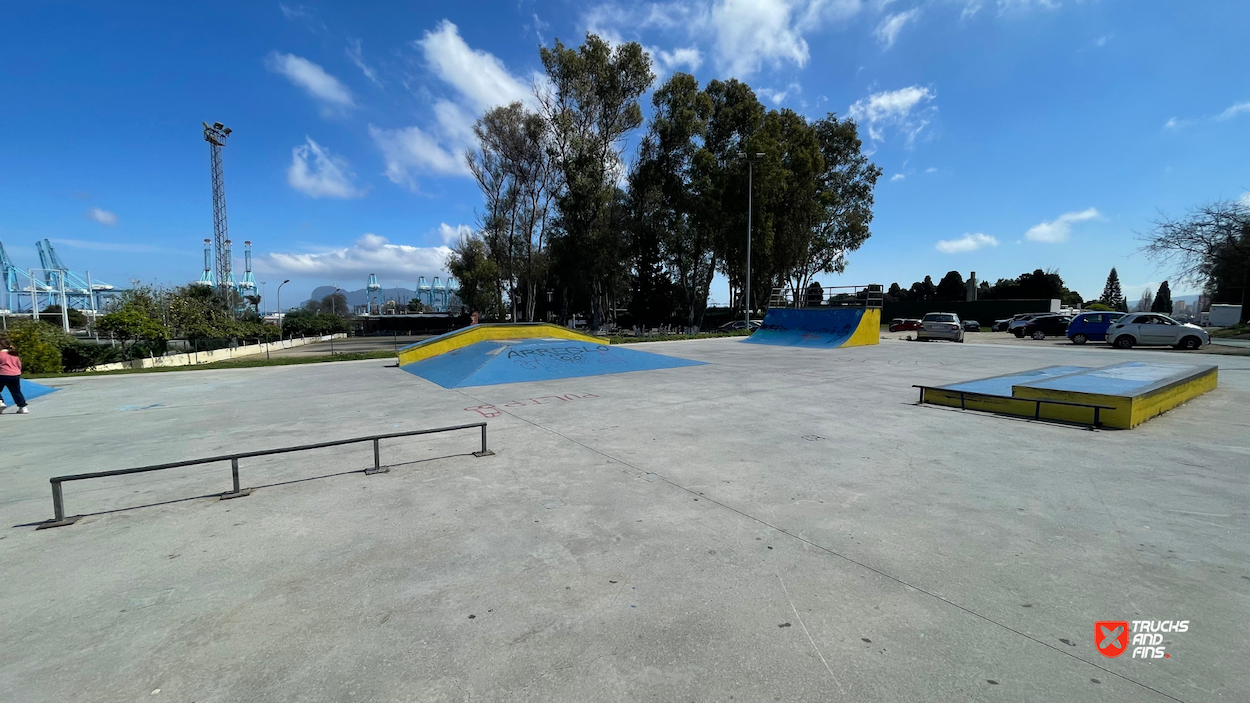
(1190, 343)
(1124, 341)
(1039, 335)
(1079, 338)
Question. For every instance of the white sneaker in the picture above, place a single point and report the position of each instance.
(23, 411)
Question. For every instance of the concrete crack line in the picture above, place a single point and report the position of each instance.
(839, 555)
(809, 635)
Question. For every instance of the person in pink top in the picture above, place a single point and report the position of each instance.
(11, 376)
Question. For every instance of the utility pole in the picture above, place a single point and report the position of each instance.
(216, 135)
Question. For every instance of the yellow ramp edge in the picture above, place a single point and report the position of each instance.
(869, 330)
(489, 331)
(1126, 412)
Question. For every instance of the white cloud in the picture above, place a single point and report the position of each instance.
(104, 217)
(450, 235)
(897, 177)
(369, 254)
(904, 109)
(1245, 199)
(317, 173)
(972, 7)
(776, 97)
(412, 151)
(664, 62)
(889, 28)
(745, 35)
(931, 169)
(969, 242)
(1057, 230)
(1100, 42)
(356, 55)
(481, 78)
(333, 95)
(1233, 111)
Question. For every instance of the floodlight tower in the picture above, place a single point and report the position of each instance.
(373, 297)
(216, 135)
(206, 278)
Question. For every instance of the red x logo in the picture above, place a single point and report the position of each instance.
(1111, 637)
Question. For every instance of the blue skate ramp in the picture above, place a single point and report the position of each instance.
(818, 327)
(496, 362)
(30, 389)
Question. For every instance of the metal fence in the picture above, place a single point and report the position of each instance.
(58, 502)
(816, 296)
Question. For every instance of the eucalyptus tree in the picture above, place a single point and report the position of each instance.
(590, 102)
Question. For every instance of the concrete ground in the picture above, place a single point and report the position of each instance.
(351, 344)
(781, 524)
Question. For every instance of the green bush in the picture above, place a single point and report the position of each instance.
(38, 344)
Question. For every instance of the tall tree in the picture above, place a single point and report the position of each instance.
(951, 287)
(721, 180)
(1147, 300)
(1210, 247)
(478, 274)
(844, 197)
(1112, 295)
(1163, 299)
(591, 103)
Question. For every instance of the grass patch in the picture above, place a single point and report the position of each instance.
(1238, 331)
(246, 363)
(674, 337)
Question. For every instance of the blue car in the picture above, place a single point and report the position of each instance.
(1091, 325)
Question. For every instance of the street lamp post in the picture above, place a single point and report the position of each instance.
(750, 198)
(279, 296)
(334, 302)
(262, 299)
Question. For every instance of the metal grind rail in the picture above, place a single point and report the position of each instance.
(58, 503)
(1037, 407)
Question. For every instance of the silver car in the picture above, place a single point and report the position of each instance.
(1154, 328)
(940, 325)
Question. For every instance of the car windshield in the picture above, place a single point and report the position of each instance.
(939, 318)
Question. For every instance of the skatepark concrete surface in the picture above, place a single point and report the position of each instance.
(778, 524)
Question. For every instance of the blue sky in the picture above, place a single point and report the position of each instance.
(1014, 134)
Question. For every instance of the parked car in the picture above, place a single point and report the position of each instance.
(1154, 328)
(902, 324)
(1052, 325)
(1017, 323)
(1000, 325)
(1091, 326)
(738, 325)
(940, 325)
(972, 326)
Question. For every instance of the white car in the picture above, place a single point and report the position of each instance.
(1153, 328)
(940, 325)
